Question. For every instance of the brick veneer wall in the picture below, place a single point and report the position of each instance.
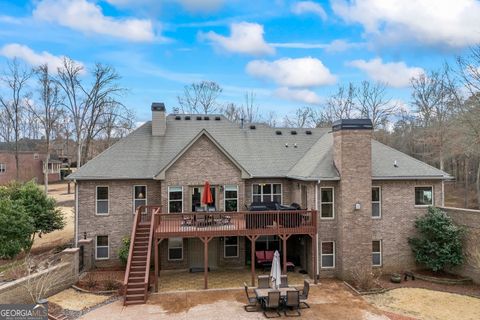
(30, 168)
(470, 220)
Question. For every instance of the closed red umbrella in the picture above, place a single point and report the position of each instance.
(207, 197)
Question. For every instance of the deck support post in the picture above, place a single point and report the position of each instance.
(284, 237)
(252, 257)
(315, 258)
(156, 244)
(205, 241)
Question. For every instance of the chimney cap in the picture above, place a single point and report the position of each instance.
(158, 106)
(352, 124)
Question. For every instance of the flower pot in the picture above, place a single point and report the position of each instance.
(396, 278)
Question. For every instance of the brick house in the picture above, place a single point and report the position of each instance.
(357, 199)
(31, 164)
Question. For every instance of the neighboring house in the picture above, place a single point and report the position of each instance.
(359, 198)
(31, 165)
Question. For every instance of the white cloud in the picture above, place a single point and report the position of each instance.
(337, 45)
(88, 17)
(299, 95)
(432, 22)
(245, 37)
(201, 5)
(303, 7)
(395, 74)
(301, 72)
(15, 50)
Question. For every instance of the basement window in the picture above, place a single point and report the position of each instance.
(424, 196)
(377, 253)
(175, 249)
(230, 247)
(327, 252)
(102, 248)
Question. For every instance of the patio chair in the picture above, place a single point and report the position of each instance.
(211, 209)
(199, 209)
(251, 305)
(284, 281)
(292, 302)
(263, 282)
(271, 303)
(201, 220)
(304, 294)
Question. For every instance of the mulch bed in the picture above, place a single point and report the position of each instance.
(469, 289)
(439, 274)
(101, 281)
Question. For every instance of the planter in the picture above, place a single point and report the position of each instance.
(442, 280)
(396, 278)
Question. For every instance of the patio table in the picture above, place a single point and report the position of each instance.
(263, 293)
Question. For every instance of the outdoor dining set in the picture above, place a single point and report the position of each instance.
(273, 300)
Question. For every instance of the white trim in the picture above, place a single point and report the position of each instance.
(316, 235)
(133, 196)
(107, 246)
(443, 193)
(76, 213)
(108, 201)
(225, 197)
(168, 249)
(379, 203)
(423, 205)
(261, 184)
(230, 245)
(168, 197)
(378, 252)
(333, 204)
(329, 254)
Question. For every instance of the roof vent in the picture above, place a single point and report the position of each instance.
(199, 118)
(395, 164)
(206, 118)
(286, 145)
(217, 118)
(178, 118)
(294, 145)
(293, 132)
(308, 132)
(187, 117)
(253, 127)
(278, 133)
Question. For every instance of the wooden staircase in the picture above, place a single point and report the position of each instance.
(137, 274)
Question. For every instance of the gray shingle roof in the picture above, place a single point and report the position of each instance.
(260, 151)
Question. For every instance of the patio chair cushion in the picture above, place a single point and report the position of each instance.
(269, 255)
(260, 256)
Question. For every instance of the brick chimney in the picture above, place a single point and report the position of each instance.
(352, 155)
(159, 120)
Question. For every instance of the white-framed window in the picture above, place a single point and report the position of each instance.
(267, 192)
(230, 198)
(35, 156)
(139, 197)
(424, 196)
(327, 203)
(3, 168)
(175, 199)
(102, 251)
(175, 249)
(376, 202)
(327, 254)
(101, 196)
(377, 253)
(230, 247)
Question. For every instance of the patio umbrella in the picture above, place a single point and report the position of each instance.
(207, 194)
(276, 271)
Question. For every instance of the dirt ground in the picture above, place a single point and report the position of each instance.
(76, 301)
(328, 300)
(66, 203)
(428, 304)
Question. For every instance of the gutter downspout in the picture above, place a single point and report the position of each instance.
(316, 208)
(76, 213)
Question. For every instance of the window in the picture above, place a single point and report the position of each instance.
(231, 198)
(267, 192)
(377, 253)
(102, 200)
(230, 247)
(270, 243)
(175, 248)
(327, 203)
(101, 249)
(139, 197)
(423, 196)
(376, 202)
(3, 167)
(35, 156)
(328, 254)
(175, 199)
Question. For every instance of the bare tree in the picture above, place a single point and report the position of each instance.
(373, 103)
(200, 97)
(47, 111)
(302, 118)
(250, 110)
(341, 104)
(16, 80)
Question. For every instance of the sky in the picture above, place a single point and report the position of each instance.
(290, 54)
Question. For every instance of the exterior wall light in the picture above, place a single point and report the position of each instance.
(358, 206)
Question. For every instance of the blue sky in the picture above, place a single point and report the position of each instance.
(289, 53)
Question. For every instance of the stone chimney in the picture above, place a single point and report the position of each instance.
(352, 155)
(159, 119)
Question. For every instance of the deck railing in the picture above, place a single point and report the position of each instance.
(236, 223)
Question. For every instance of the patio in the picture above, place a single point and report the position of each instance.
(181, 280)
